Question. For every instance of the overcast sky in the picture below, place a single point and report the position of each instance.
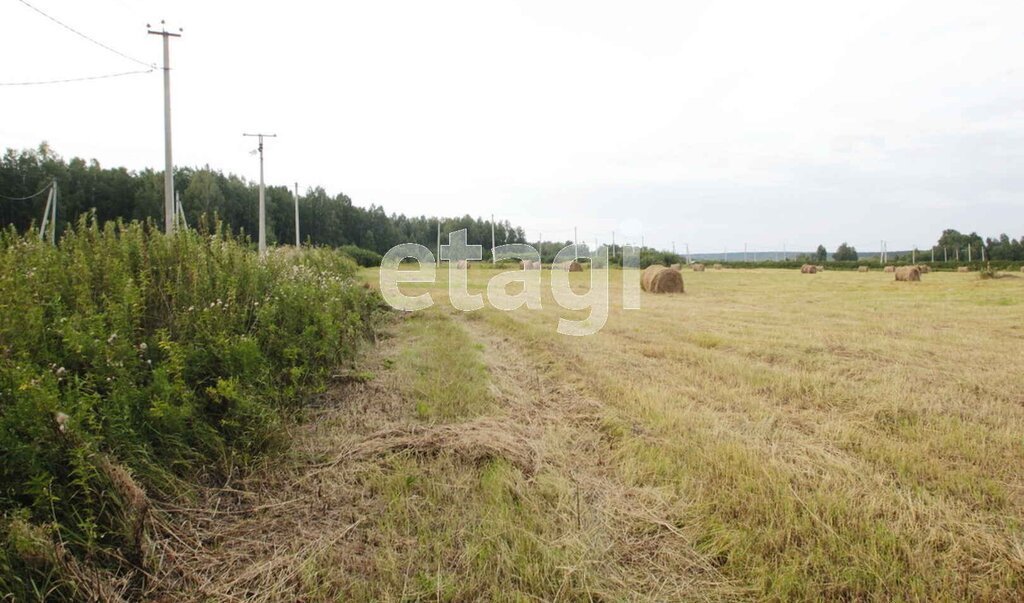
(716, 123)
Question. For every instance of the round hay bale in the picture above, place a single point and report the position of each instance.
(890, 268)
(718, 266)
(808, 269)
(698, 267)
(659, 279)
(570, 266)
(924, 268)
(963, 269)
(820, 268)
(530, 265)
(862, 269)
(908, 273)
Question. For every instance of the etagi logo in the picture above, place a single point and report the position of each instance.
(458, 255)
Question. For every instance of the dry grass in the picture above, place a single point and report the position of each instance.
(823, 438)
(765, 437)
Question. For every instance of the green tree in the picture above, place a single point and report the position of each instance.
(845, 253)
(822, 253)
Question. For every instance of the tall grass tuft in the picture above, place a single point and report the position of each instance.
(132, 361)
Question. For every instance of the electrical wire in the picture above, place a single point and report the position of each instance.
(82, 35)
(77, 79)
(43, 190)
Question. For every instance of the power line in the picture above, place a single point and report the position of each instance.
(82, 35)
(77, 79)
(41, 191)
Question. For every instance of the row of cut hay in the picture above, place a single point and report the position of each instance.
(661, 279)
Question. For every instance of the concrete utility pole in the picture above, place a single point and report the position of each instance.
(687, 253)
(933, 255)
(50, 215)
(493, 259)
(438, 249)
(613, 243)
(298, 239)
(263, 195)
(913, 256)
(169, 218)
(968, 253)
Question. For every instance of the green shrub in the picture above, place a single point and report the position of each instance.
(175, 357)
(363, 257)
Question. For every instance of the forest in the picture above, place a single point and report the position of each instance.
(119, 193)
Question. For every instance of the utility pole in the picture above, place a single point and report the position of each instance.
(494, 260)
(540, 246)
(945, 254)
(298, 240)
(913, 256)
(263, 195)
(613, 243)
(968, 253)
(933, 254)
(50, 215)
(438, 249)
(687, 253)
(169, 218)
(575, 243)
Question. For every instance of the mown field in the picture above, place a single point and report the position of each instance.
(767, 435)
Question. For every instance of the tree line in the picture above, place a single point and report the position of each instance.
(207, 194)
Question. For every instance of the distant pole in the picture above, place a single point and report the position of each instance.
(438, 248)
(494, 260)
(968, 253)
(298, 239)
(263, 195)
(784, 255)
(540, 245)
(46, 215)
(913, 256)
(169, 218)
(933, 254)
(945, 254)
(982, 253)
(613, 243)
(53, 214)
(595, 245)
(575, 243)
(687, 253)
